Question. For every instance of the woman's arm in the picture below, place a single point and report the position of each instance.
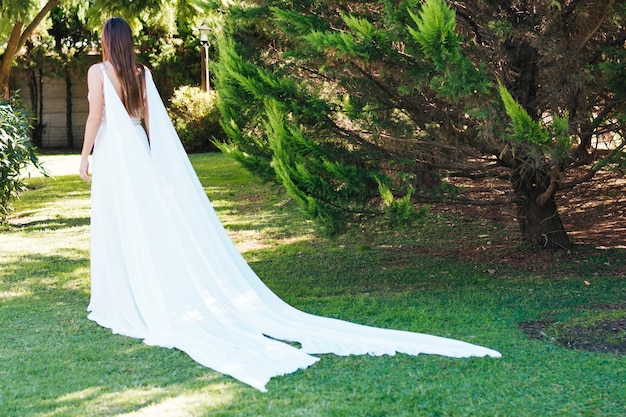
(96, 107)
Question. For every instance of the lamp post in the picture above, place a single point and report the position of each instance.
(203, 31)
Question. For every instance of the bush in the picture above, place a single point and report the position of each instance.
(16, 151)
(196, 118)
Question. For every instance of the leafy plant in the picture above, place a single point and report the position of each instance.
(196, 118)
(16, 151)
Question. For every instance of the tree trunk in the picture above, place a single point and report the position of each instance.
(36, 98)
(6, 61)
(542, 226)
(15, 43)
(40, 103)
(68, 111)
(537, 213)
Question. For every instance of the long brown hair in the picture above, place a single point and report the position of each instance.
(118, 49)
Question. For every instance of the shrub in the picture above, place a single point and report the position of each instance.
(16, 151)
(196, 118)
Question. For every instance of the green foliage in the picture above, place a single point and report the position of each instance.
(16, 151)
(501, 28)
(14, 10)
(169, 43)
(100, 10)
(436, 24)
(70, 31)
(562, 139)
(265, 114)
(554, 139)
(195, 116)
(537, 148)
(327, 191)
(240, 111)
(524, 128)
(289, 131)
(614, 70)
(405, 91)
(457, 77)
(400, 211)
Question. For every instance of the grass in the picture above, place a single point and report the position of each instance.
(55, 362)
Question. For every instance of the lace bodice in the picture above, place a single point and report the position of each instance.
(134, 119)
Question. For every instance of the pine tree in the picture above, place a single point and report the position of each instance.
(361, 108)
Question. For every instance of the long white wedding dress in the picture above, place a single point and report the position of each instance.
(164, 270)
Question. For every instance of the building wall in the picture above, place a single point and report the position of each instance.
(53, 98)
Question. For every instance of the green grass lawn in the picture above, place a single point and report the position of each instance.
(55, 362)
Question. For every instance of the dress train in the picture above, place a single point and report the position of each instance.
(163, 268)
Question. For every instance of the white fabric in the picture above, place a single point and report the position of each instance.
(163, 268)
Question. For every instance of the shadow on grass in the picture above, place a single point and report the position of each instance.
(50, 224)
(45, 276)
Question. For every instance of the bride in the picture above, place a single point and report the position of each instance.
(163, 268)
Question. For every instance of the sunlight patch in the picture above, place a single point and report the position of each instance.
(188, 404)
(84, 394)
(43, 242)
(247, 241)
(9, 295)
(112, 403)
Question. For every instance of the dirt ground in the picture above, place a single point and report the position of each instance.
(594, 215)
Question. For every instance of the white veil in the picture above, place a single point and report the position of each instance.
(165, 270)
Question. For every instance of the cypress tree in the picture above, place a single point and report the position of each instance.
(366, 108)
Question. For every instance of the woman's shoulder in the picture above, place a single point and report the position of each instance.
(96, 66)
(95, 70)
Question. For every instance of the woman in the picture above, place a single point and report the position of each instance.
(163, 268)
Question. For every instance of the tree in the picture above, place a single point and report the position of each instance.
(362, 107)
(71, 37)
(18, 13)
(20, 19)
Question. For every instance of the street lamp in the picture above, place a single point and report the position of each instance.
(203, 31)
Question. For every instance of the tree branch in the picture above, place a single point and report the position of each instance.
(462, 10)
(478, 175)
(15, 43)
(458, 200)
(589, 175)
(590, 128)
(543, 198)
(592, 171)
(596, 28)
(418, 142)
(7, 58)
(36, 21)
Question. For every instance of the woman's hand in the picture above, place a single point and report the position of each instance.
(84, 170)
